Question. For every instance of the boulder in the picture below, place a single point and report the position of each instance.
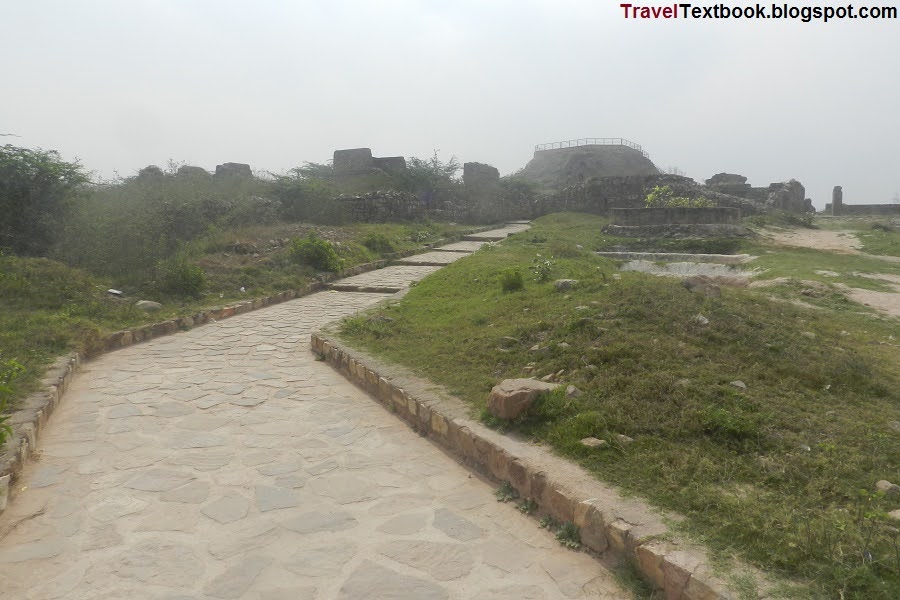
(701, 284)
(887, 487)
(148, 305)
(512, 397)
(592, 442)
(564, 284)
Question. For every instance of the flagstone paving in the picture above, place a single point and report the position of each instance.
(226, 462)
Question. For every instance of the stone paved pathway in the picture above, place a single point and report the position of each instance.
(225, 462)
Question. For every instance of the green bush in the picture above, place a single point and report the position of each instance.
(511, 280)
(183, 279)
(316, 253)
(664, 197)
(36, 188)
(378, 243)
(9, 371)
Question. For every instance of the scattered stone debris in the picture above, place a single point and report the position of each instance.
(148, 305)
(895, 515)
(112, 292)
(565, 284)
(700, 320)
(563, 346)
(701, 284)
(592, 442)
(512, 397)
(809, 335)
(624, 439)
(573, 392)
(739, 384)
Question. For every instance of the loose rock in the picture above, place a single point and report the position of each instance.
(592, 442)
(573, 392)
(701, 284)
(148, 305)
(887, 487)
(564, 284)
(739, 384)
(624, 439)
(512, 397)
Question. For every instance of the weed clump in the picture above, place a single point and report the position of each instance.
(378, 243)
(183, 279)
(316, 253)
(511, 280)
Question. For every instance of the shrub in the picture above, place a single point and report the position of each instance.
(378, 243)
(511, 280)
(183, 279)
(664, 197)
(316, 253)
(9, 371)
(542, 269)
(36, 187)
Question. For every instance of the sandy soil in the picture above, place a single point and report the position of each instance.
(844, 242)
(847, 243)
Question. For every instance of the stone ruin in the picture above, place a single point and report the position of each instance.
(789, 196)
(676, 222)
(359, 161)
(482, 183)
(241, 170)
(234, 170)
(837, 207)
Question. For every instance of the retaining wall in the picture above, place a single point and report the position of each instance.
(636, 217)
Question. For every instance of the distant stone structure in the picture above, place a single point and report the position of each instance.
(733, 184)
(150, 172)
(789, 196)
(676, 222)
(233, 170)
(482, 184)
(193, 172)
(562, 164)
(359, 161)
(837, 207)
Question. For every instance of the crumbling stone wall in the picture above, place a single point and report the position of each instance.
(359, 161)
(233, 170)
(390, 164)
(675, 216)
(788, 196)
(482, 183)
(354, 161)
(387, 206)
(837, 207)
(599, 196)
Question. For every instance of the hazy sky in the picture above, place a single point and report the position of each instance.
(123, 84)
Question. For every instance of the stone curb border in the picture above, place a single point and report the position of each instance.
(682, 573)
(29, 421)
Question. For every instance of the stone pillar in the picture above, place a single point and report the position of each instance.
(483, 192)
(837, 200)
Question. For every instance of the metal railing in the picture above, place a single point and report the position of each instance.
(592, 142)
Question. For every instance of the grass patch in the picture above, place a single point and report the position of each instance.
(771, 471)
(50, 308)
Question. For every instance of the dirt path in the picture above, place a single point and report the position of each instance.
(846, 242)
(226, 462)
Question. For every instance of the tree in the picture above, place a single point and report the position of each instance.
(36, 187)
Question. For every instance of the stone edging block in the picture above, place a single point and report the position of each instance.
(606, 523)
(28, 421)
